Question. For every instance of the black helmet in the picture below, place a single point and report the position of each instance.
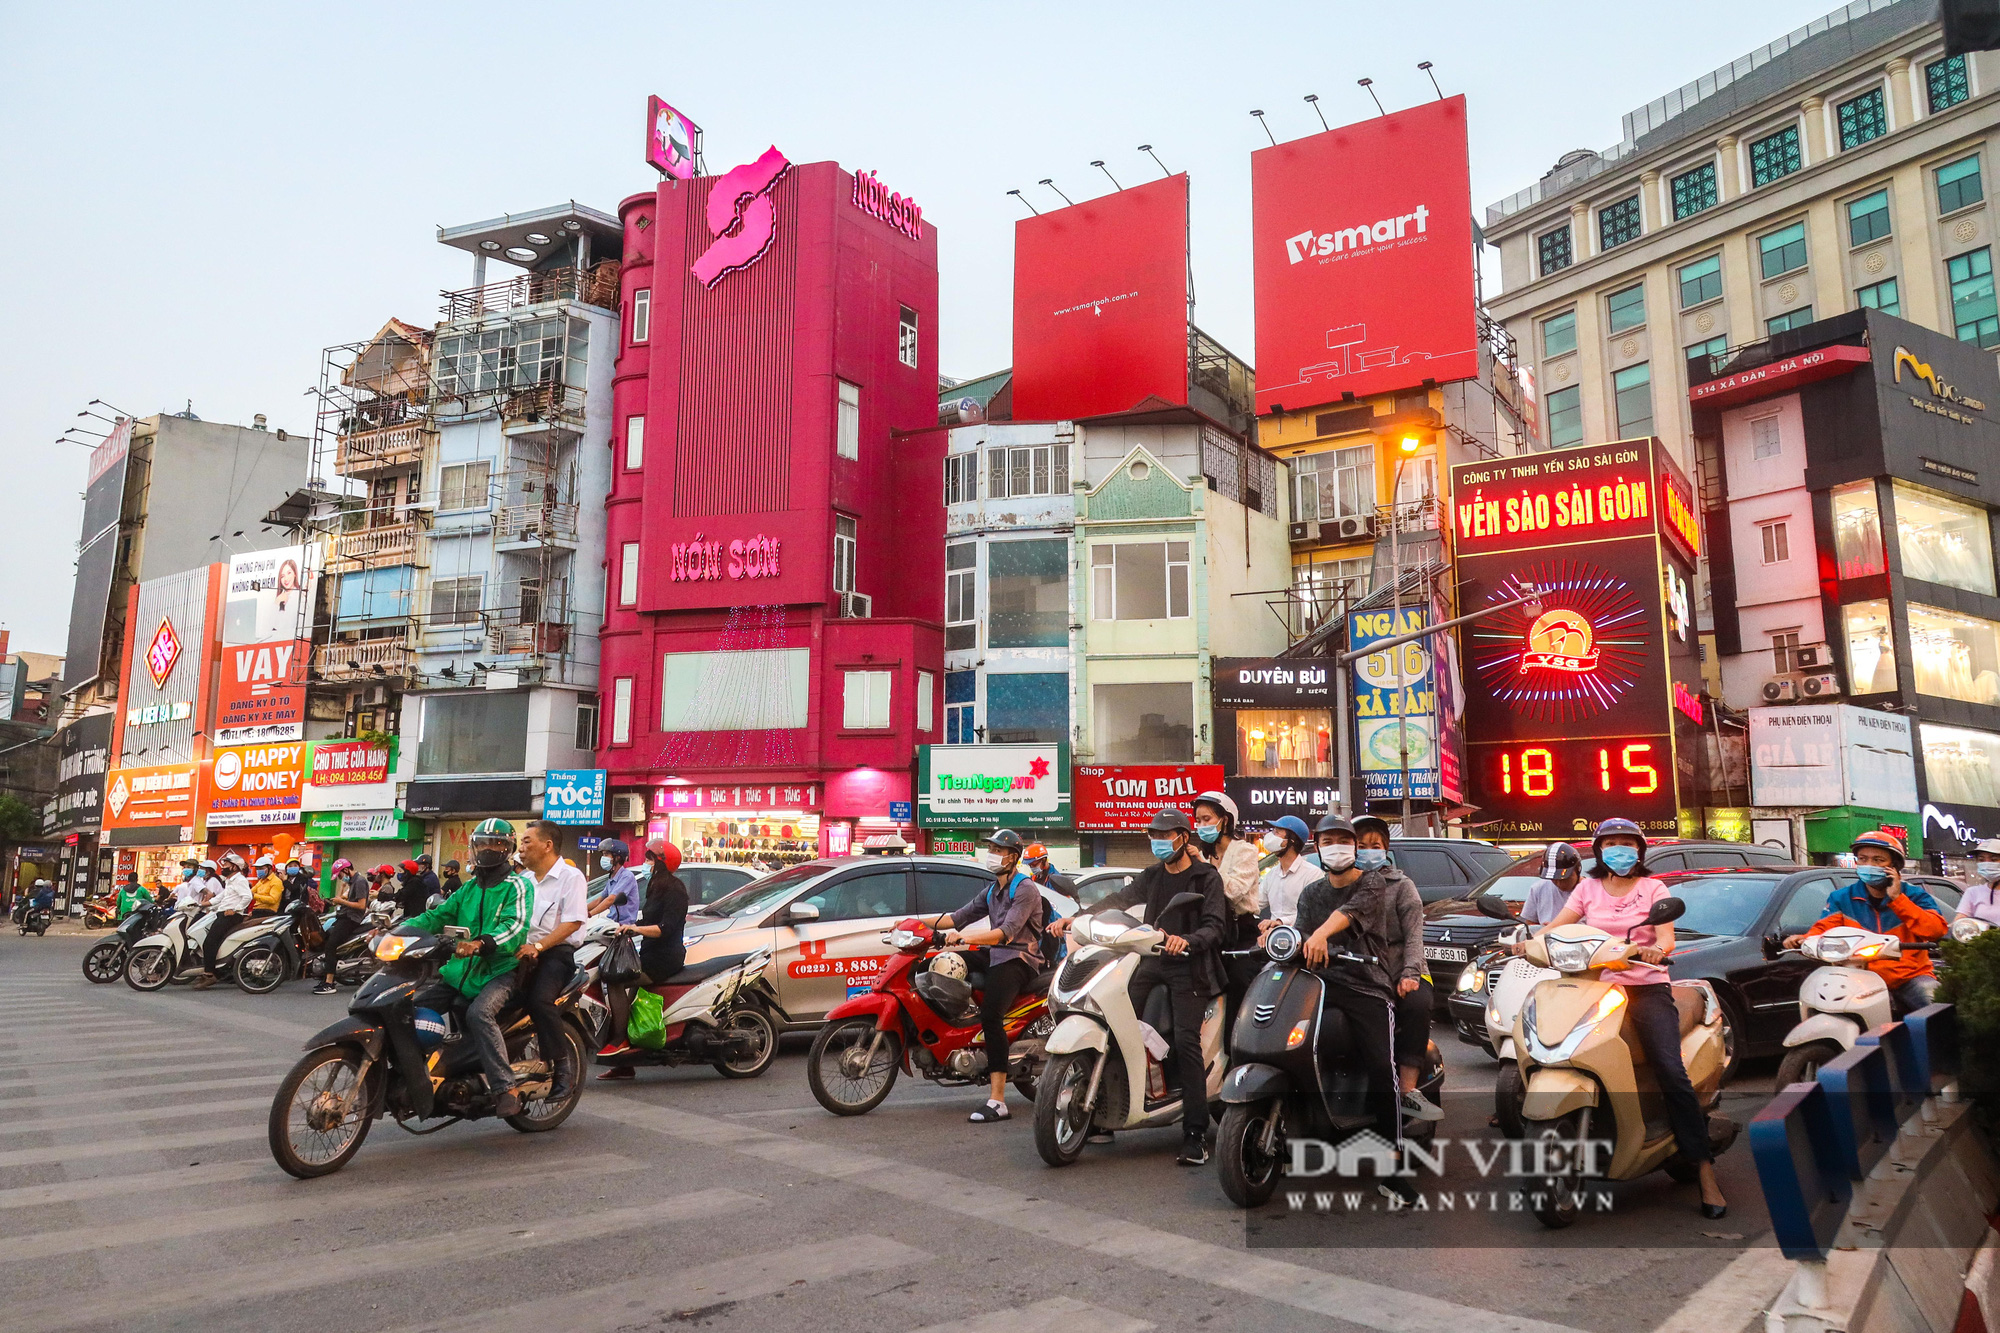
(1332, 823)
(1370, 824)
(1560, 857)
(1004, 837)
(424, 860)
(1170, 820)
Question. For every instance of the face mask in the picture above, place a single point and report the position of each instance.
(1619, 860)
(1337, 856)
(991, 860)
(1988, 871)
(1208, 832)
(604, 862)
(1163, 848)
(1873, 876)
(490, 858)
(187, 875)
(1368, 858)
(1274, 842)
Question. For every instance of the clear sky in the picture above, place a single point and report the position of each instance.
(196, 198)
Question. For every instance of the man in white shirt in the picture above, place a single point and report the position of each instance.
(548, 961)
(232, 907)
(1278, 892)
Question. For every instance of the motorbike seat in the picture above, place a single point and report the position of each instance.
(1040, 984)
(702, 971)
(1688, 1002)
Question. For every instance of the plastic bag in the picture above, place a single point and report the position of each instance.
(647, 1028)
(621, 962)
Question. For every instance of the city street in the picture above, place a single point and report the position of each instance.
(136, 1191)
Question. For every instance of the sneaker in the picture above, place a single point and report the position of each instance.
(326, 988)
(617, 1073)
(1419, 1107)
(614, 1048)
(1194, 1151)
(203, 982)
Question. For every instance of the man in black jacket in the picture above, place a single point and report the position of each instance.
(1190, 962)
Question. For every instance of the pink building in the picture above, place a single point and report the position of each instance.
(773, 641)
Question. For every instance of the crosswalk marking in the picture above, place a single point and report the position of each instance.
(17, 1080)
(204, 1110)
(108, 1147)
(1060, 1314)
(202, 1288)
(105, 1055)
(642, 1300)
(135, 1088)
(207, 1175)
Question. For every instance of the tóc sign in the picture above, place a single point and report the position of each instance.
(574, 796)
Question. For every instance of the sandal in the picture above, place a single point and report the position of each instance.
(991, 1112)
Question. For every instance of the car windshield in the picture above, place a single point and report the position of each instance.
(760, 895)
(1512, 881)
(1721, 904)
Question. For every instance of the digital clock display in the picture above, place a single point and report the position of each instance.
(1562, 788)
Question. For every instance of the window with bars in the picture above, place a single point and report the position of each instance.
(1791, 319)
(1882, 296)
(1783, 250)
(1700, 281)
(1862, 118)
(456, 601)
(1326, 588)
(1336, 484)
(1693, 191)
(1775, 156)
(1565, 417)
(1958, 184)
(1024, 470)
(1868, 219)
(1556, 250)
(906, 336)
(961, 478)
(1972, 305)
(1632, 395)
(961, 607)
(1945, 83)
(1559, 334)
(1626, 309)
(1618, 223)
(464, 486)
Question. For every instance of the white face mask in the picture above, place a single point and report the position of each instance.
(1274, 842)
(1337, 856)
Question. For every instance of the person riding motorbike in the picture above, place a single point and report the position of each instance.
(1359, 904)
(350, 907)
(131, 897)
(1012, 906)
(267, 895)
(1980, 902)
(1035, 860)
(412, 894)
(495, 906)
(661, 928)
(1880, 901)
(1189, 963)
(1291, 874)
(232, 908)
(1414, 994)
(548, 960)
(1234, 858)
(621, 889)
(1562, 870)
(1615, 899)
(42, 898)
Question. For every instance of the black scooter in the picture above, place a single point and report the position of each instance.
(1278, 1090)
(37, 919)
(415, 1065)
(105, 963)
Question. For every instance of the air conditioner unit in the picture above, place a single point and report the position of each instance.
(628, 808)
(1355, 527)
(1812, 657)
(856, 605)
(378, 694)
(1781, 690)
(1822, 686)
(1305, 534)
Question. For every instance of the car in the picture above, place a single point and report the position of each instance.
(1455, 931)
(1096, 883)
(1721, 939)
(823, 922)
(1447, 868)
(705, 882)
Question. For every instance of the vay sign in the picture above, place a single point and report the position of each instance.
(574, 796)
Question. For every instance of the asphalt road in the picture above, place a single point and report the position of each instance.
(136, 1191)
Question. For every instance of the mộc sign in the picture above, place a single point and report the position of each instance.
(1938, 385)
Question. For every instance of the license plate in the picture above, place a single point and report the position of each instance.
(1444, 953)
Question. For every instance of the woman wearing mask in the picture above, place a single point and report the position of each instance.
(1234, 859)
(1615, 899)
(662, 922)
(1982, 901)
(1414, 995)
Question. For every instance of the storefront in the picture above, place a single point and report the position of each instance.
(1832, 771)
(1274, 725)
(71, 823)
(25, 865)
(965, 792)
(868, 810)
(768, 825)
(453, 807)
(365, 837)
(1114, 803)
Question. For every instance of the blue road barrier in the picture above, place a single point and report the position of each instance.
(1909, 1071)
(1806, 1186)
(1861, 1099)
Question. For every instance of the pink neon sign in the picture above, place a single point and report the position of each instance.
(741, 217)
(699, 561)
(672, 140)
(874, 199)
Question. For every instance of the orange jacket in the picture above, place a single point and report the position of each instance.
(1912, 916)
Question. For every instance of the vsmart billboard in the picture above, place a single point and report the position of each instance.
(1362, 250)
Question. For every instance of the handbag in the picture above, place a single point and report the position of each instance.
(647, 1028)
(621, 963)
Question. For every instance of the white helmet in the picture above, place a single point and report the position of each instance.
(1987, 847)
(948, 965)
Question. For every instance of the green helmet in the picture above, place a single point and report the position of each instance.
(491, 843)
(493, 828)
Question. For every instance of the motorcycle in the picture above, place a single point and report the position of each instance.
(1279, 1090)
(173, 954)
(722, 1011)
(1100, 1074)
(389, 1057)
(1843, 998)
(1509, 983)
(591, 941)
(915, 1017)
(1580, 1067)
(279, 949)
(105, 962)
(99, 912)
(37, 919)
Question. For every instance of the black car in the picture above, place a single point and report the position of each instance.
(1447, 868)
(1456, 932)
(1730, 913)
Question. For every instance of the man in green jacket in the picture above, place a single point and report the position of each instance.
(495, 904)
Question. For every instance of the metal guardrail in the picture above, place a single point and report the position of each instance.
(515, 523)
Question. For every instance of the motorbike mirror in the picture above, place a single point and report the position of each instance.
(1665, 910)
(802, 912)
(1181, 900)
(1494, 906)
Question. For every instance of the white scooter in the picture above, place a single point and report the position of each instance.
(1099, 1069)
(174, 954)
(1509, 986)
(1838, 1001)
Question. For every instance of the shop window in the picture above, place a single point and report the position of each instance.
(1871, 647)
(1777, 543)
(1945, 83)
(1028, 708)
(906, 336)
(1862, 118)
(1556, 250)
(846, 544)
(1791, 319)
(1632, 394)
(1335, 484)
(1782, 251)
(1700, 281)
(628, 574)
(1868, 219)
(961, 478)
(1025, 470)
(464, 485)
(1958, 184)
(1775, 156)
(1142, 724)
(585, 736)
(926, 701)
(1694, 191)
(865, 700)
(456, 601)
(1954, 656)
(1565, 417)
(486, 732)
(1618, 223)
(635, 442)
(754, 689)
(961, 692)
(961, 606)
(1973, 312)
(1960, 766)
(1857, 530)
(1883, 296)
(621, 711)
(1139, 581)
(1943, 540)
(847, 423)
(1027, 594)
(1626, 309)
(1784, 650)
(642, 314)
(1284, 743)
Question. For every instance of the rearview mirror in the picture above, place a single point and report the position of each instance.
(1182, 900)
(1665, 910)
(1494, 906)
(798, 912)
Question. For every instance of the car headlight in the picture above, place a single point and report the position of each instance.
(1830, 949)
(1471, 979)
(390, 947)
(1570, 955)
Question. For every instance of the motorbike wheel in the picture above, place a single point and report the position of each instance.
(1801, 1063)
(307, 1138)
(149, 968)
(763, 1033)
(1248, 1177)
(1039, 1030)
(105, 962)
(835, 1071)
(1061, 1127)
(1559, 1194)
(1508, 1090)
(540, 1116)
(260, 969)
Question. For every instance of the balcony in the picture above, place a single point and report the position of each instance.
(391, 656)
(391, 544)
(538, 638)
(550, 414)
(365, 452)
(599, 287)
(531, 525)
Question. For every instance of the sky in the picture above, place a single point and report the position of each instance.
(196, 199)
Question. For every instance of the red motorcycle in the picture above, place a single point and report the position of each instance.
(918, 1015)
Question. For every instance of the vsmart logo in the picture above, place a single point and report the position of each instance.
(1312, 245)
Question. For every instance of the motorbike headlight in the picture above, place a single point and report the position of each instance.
(1570, 955)
(1967, 928)
(1471, 979)
(390, 947)
(1282, 944)
(903, 939)
(1104, 932)
(1830, 949)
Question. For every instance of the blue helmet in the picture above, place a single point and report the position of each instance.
(432, 1030)
(615, 847)
(1295, 826)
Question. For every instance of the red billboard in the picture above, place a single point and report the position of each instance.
(1362, 242)
(1100, 304)
(1123, 798)
(263, 692)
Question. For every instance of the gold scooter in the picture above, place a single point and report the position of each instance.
(1578, 1064)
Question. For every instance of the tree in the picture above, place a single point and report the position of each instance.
(19, 821)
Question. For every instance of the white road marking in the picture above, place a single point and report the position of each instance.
(1733, 1297)
(204, 1109)
(18, 1082)
(1059, 1315)
(167, 1044)
(114, 1146)
(149, 1182)
(134, 1089)
(640, 1301)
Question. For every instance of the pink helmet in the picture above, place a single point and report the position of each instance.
(342, 864)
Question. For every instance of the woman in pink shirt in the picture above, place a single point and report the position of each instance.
(1615, 899)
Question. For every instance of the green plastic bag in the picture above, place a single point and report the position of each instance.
(647, 1028)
